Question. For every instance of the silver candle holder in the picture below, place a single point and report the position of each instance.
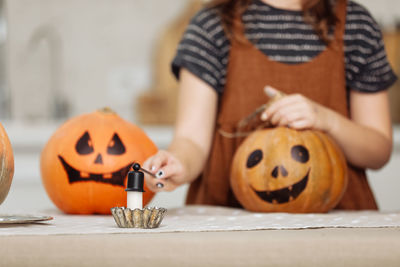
(146, 218)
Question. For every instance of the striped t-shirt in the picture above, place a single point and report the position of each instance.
(285, 37)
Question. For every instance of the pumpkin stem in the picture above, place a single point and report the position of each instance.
(106, 110)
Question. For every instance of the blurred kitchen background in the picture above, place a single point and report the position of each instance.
(59, 59)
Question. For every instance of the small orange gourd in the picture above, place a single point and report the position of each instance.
(85, 163)
(286, 170)
(6, 164)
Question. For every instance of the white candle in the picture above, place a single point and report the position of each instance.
(134, 200)
(134, 188)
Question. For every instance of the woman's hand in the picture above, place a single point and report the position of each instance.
(167, 168)
(188, 152)
(295, 111)
(365, 137)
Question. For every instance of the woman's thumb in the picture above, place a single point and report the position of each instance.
(272, 92)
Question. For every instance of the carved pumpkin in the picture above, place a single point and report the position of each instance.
(284, 170)
(85, 163)
(6, 164)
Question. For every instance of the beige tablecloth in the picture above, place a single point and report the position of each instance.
(205, 219)
(207, 236)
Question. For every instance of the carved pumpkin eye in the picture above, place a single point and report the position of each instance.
(115, 147)
(84, 145)
(254, 158)
(300, 154)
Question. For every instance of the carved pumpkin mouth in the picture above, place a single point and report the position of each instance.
(285, 194)
(114, 178)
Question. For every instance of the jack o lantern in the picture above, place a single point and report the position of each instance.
(285, 170)
(85, 163)
(6, 164)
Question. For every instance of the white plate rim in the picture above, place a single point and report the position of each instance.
(10, 219)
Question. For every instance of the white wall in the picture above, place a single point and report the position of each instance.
(84, 54)
(386, 12)
(80, 55)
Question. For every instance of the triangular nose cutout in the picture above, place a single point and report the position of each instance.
(99, 159)
(277, 169)
(275, 172)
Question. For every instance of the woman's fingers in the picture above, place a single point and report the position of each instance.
(167, 170)
(159, 160)
(168, 176)
(146, 165)
(161, 184)
(284, 101)
(154, 163)
(295, 111)
(157, 184)
(289, 113)
(270, 91)
(288, 117)
(166, 185)
(300, 124)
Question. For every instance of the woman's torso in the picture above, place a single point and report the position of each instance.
(286, 48)
(284, 37)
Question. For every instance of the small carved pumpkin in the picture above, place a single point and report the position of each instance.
(85, 163)
(6, 164)
(285, 170)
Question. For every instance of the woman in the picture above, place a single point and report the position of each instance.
(327, 56)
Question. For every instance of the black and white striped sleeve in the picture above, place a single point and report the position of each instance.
(367, 67)
(201, 50)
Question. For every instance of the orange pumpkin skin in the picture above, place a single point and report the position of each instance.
(85, 163)
(285, 170)
(6, 164)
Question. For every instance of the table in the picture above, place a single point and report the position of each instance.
(366, 246)
(308, 247)
(208, 236)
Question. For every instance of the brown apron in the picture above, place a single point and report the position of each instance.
(249, 71)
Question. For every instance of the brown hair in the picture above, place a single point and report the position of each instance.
(318, 13)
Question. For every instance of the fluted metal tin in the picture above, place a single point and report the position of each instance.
(147, 218)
